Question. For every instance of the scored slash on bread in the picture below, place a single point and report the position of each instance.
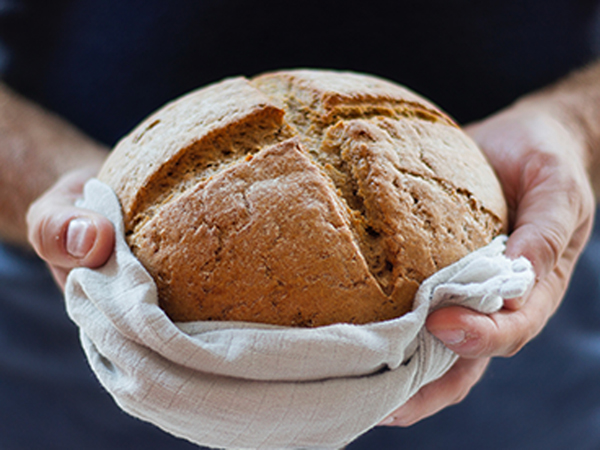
(300, 198)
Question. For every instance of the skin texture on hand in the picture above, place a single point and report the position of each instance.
(541, 162)
(64, 235)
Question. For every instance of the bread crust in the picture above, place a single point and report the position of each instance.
(301, 198)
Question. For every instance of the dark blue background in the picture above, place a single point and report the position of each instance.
(105, 65)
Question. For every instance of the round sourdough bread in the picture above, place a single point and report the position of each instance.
(300, 198)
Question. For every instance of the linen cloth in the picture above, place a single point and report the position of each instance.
(252, 386)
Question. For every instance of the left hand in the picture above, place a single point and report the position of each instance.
(64, 235)
(540, 160)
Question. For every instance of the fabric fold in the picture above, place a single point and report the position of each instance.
(242, 385)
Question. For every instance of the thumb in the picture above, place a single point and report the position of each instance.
(64, 235)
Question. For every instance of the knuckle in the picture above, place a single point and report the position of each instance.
(506, 339)
(540, 165)
(551, 241)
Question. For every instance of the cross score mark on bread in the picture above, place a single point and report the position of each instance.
(300, 198)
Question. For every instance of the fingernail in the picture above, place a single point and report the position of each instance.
(450, 337)
(81, 234)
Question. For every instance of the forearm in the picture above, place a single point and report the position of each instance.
(36, 148)
(576, 100)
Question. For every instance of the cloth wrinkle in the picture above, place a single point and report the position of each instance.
(241, 385)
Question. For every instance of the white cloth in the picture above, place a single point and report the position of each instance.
(239, 385)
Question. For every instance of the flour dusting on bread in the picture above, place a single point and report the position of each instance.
(301, 198)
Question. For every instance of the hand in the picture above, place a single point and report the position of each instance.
(66, 236)
(541, 162)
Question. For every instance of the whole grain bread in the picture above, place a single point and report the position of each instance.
(300, 198)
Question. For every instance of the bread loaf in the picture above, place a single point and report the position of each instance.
(300, 198)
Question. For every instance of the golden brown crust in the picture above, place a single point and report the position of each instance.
(197, 133)
(301, 198)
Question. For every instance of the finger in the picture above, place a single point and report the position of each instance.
(448, 390)
(549, 211)
(504, 333)
(537, 160)
(69, 237)
(551, 206)
(473, 335)
(66, 236)
(545, 231)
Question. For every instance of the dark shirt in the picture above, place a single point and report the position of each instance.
(104, 65)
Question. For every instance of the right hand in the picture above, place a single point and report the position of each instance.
(540, 161)
(64, 235)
